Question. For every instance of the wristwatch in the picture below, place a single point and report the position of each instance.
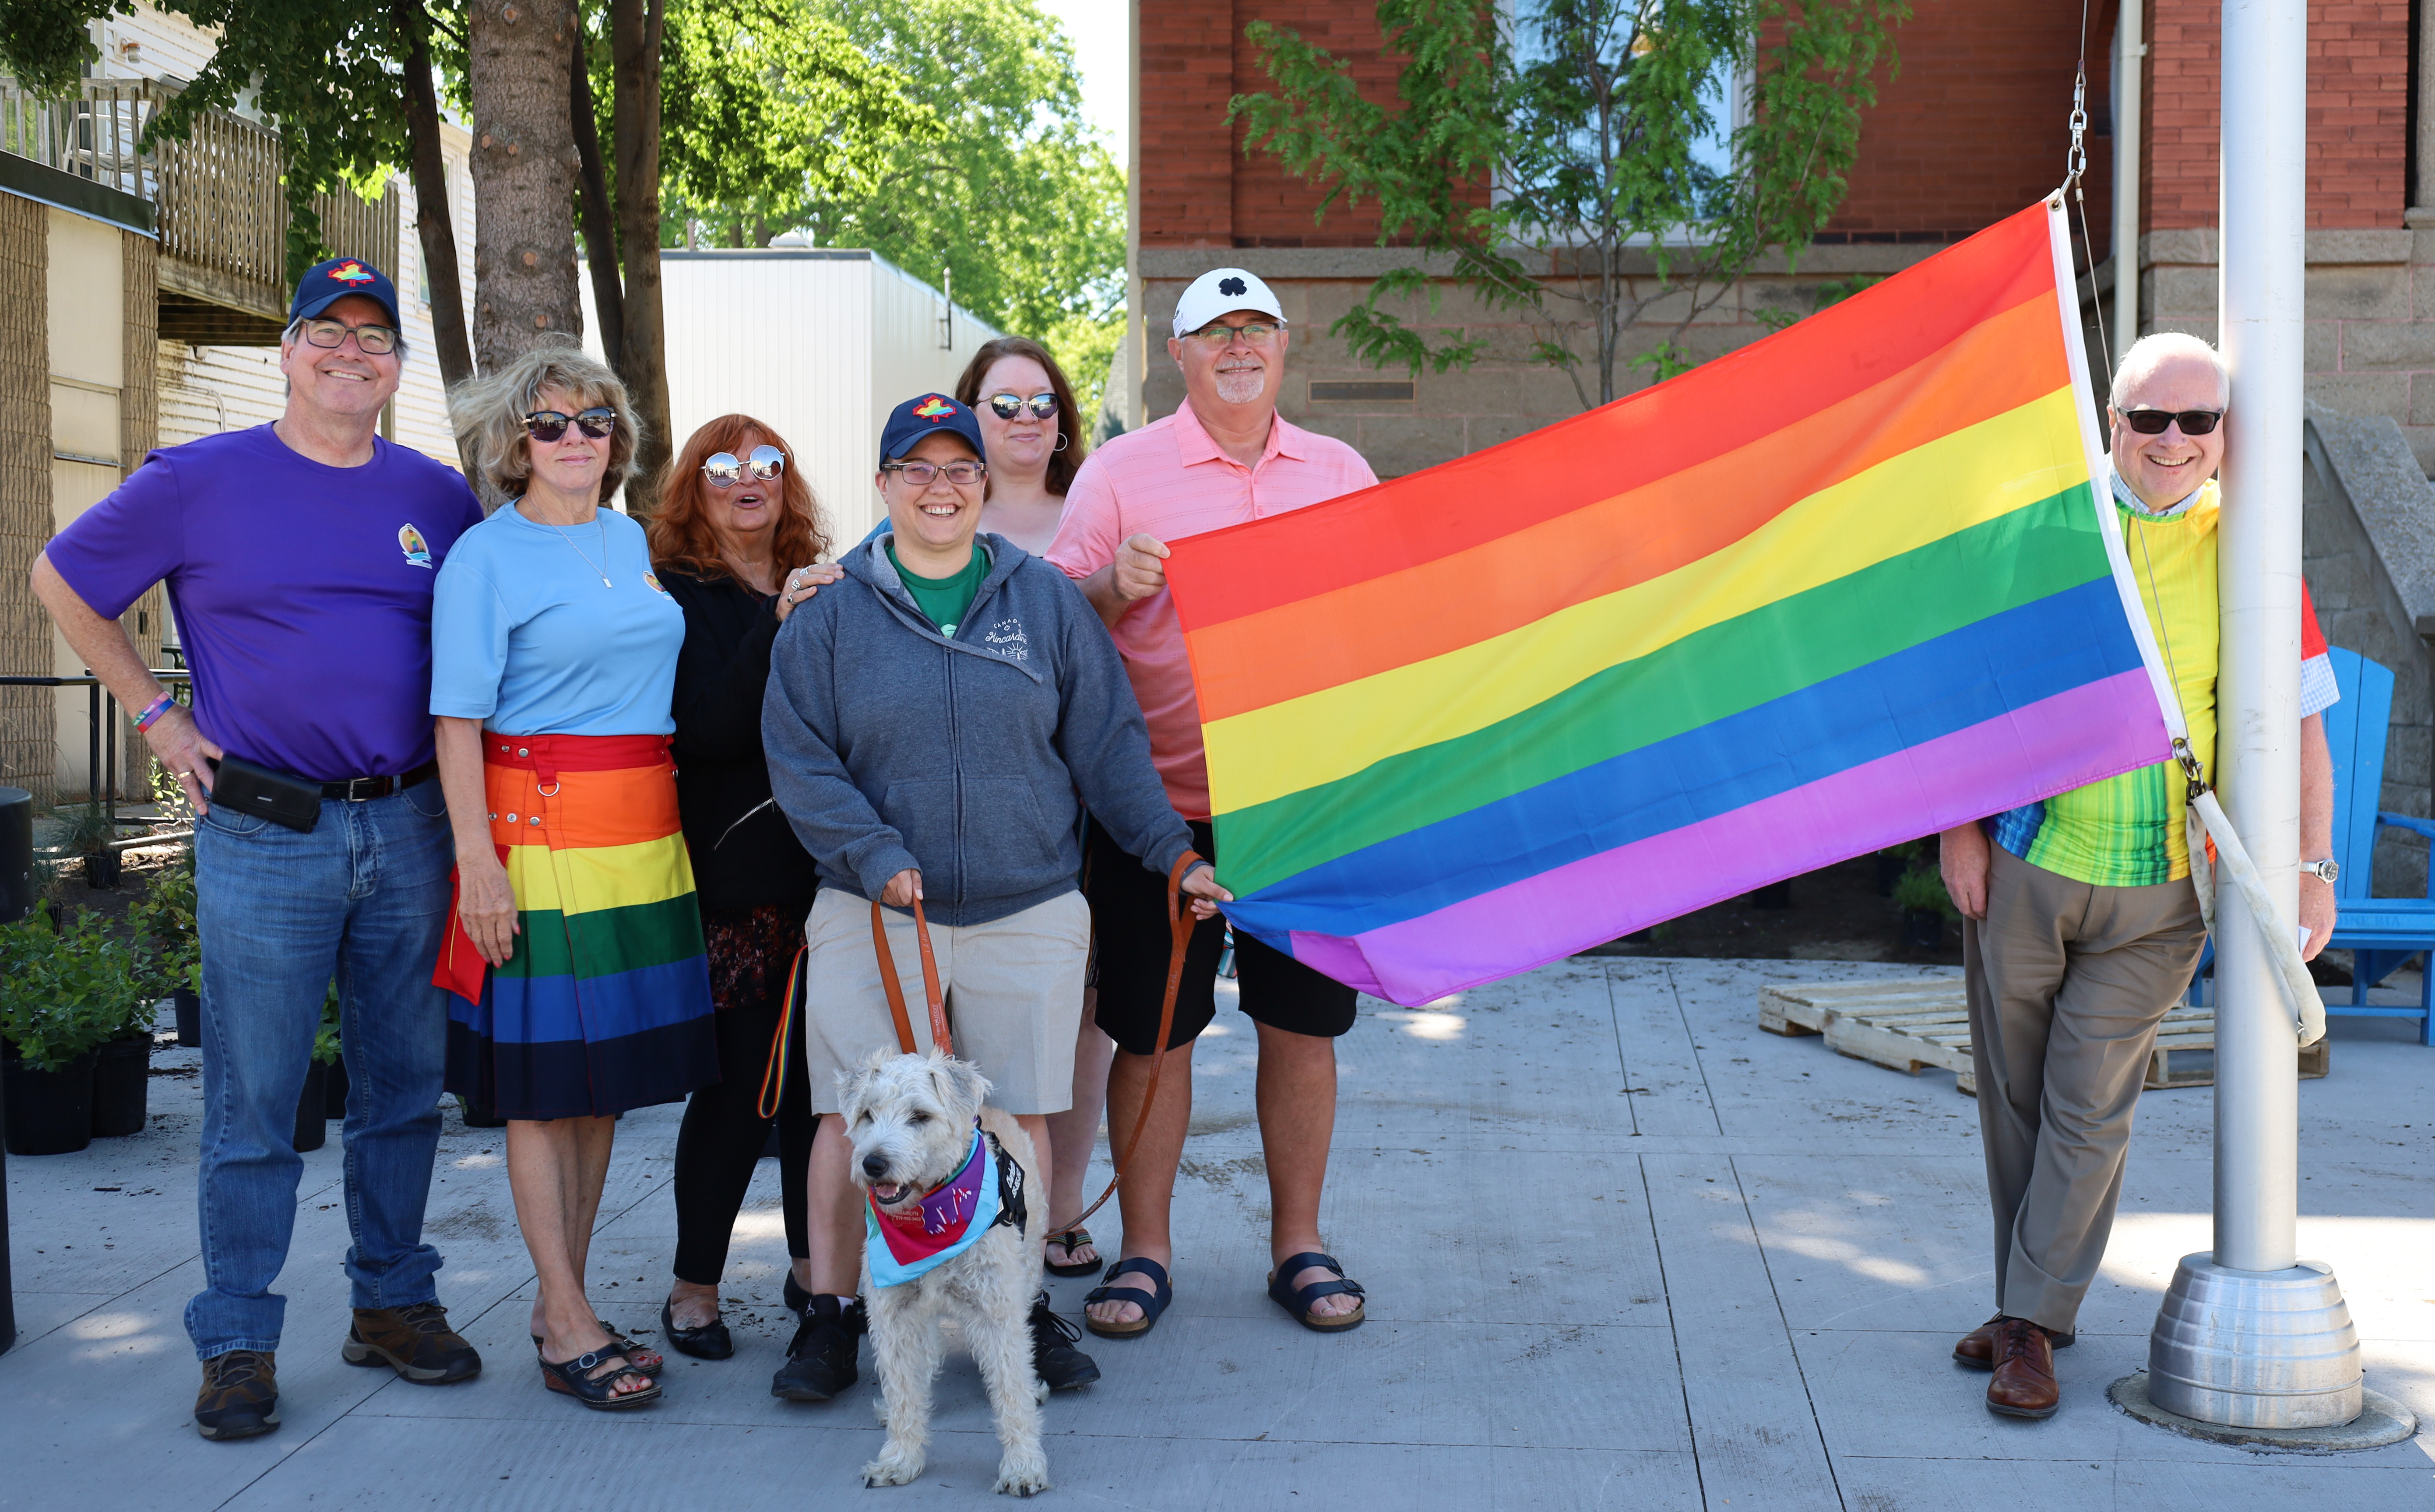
(2325, 871)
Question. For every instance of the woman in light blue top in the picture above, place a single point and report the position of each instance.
(577, 954)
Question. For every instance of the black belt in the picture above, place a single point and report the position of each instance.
(364, 789)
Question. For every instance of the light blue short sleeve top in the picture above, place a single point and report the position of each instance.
(527, 638)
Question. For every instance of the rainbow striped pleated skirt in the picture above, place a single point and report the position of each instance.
(605, 1003)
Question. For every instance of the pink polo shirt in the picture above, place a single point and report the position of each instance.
(1168, 480)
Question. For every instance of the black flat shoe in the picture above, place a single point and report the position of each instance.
(709, 1342)
(797, 1298)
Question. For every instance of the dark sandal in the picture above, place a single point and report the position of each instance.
(619, 1344)
(1069, 1240)
(574, 1379)
(1298, 1302)
(710, 1341)
(1152, 1304)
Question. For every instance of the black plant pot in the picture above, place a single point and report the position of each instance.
(188, 1005)
(1775, 895)
(1922, 929)
(312, 1121)
(101, 870)
(478, 1115)
(1890, 866)
(50, 1112)
(120, 1078)
(333, 1090)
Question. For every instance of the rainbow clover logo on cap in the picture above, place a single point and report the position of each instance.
(934, 408)
(351, 273)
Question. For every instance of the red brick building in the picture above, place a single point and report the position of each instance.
(1972, 128)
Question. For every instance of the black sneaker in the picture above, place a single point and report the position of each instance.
(1061, 1366)
(820, 1362)
(240, 1395)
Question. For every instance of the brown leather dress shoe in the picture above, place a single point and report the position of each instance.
(1978, 1346)
(2024, 1385)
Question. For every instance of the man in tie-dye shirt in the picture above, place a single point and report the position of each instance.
(2080, 926)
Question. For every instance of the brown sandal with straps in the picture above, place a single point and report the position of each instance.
(1070, 1240)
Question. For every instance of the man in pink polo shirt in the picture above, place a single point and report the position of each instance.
(1225, 458)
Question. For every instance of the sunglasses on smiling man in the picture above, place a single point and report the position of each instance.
(548, 424)
(2152, 421)
(721, 470)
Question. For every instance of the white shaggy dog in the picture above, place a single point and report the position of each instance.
(911, 1119)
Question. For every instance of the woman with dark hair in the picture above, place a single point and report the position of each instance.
(1031, 432)
(733, 542)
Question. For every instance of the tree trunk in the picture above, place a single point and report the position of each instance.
(634, 32)
(523, 177)
(599, 237)
(433, 220)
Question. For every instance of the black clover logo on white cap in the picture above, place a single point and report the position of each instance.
(1232, 288)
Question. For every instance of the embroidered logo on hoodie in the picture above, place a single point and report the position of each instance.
(1007, 638)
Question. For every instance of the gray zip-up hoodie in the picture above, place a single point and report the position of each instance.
(892, 746)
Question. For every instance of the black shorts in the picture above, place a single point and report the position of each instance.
(1128, 912)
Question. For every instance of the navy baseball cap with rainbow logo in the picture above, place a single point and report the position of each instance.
(915, 418)
(325, 284)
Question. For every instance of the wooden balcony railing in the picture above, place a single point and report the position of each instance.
(220, 209)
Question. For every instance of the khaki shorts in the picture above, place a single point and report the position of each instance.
(1013, 990)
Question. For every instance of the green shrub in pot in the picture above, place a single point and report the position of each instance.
(63, 994)
(164, 923)
(1922, 891)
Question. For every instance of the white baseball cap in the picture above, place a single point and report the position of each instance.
(1220, 290)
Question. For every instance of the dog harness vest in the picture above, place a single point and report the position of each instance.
(900, 1248)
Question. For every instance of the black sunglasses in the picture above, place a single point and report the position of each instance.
(2152, 421)
(548, 424)
(722, 470)
(1007, 406)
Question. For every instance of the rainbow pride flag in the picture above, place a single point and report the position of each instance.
(1842, 588)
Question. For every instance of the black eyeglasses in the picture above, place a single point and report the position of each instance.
(548, 424)
(371, 340)
(2152, 421)
(922, 475)
(723, 470)
(1251, 332)
(1007, 406)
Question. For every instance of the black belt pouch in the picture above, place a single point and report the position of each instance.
(266, 793)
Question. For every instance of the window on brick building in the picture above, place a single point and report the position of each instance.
(1537, 32)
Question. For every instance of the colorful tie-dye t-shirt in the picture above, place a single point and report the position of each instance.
(2129, 831)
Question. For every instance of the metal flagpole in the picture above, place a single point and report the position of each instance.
(2250, 1335)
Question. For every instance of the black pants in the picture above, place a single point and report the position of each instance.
(723, 1132)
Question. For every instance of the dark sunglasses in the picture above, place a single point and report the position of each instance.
(1007, 406)
(2152, 421)
(723, 470)
(548, 424)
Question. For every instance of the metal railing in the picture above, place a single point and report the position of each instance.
(221, 209)
(102, 721)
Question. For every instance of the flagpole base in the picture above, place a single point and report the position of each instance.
(2256, 1349)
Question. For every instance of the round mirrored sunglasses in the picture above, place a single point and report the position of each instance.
(722, 470)
(1007, 406)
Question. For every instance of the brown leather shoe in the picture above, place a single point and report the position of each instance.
(240, 1395)
(416, 1342)
(2024, 1385)
(1978, 1346)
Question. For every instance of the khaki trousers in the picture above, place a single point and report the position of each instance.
(2067, 983)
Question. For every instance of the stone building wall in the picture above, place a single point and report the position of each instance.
(27, 737)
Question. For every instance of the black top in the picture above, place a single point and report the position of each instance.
(741, 858)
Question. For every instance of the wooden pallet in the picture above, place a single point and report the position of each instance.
(1907, 1024)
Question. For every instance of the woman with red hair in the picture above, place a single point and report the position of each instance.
(733, 542)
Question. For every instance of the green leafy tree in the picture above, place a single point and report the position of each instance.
(770, 110)
(1535, 158)
(1013, 204)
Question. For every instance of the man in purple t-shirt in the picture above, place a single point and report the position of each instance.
(300, 557)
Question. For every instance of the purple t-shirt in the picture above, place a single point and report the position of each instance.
(303, 591)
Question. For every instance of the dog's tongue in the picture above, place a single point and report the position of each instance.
(887, 1190)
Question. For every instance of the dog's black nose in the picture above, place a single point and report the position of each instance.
(874, 1167)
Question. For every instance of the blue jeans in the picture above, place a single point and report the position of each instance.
(364, 897)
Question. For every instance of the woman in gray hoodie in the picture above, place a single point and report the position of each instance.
(935, 722)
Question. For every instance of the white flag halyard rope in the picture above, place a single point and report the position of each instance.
(2206, 815)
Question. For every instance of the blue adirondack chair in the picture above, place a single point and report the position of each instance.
(2382, 934)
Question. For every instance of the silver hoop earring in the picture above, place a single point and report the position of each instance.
(1061, 442)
